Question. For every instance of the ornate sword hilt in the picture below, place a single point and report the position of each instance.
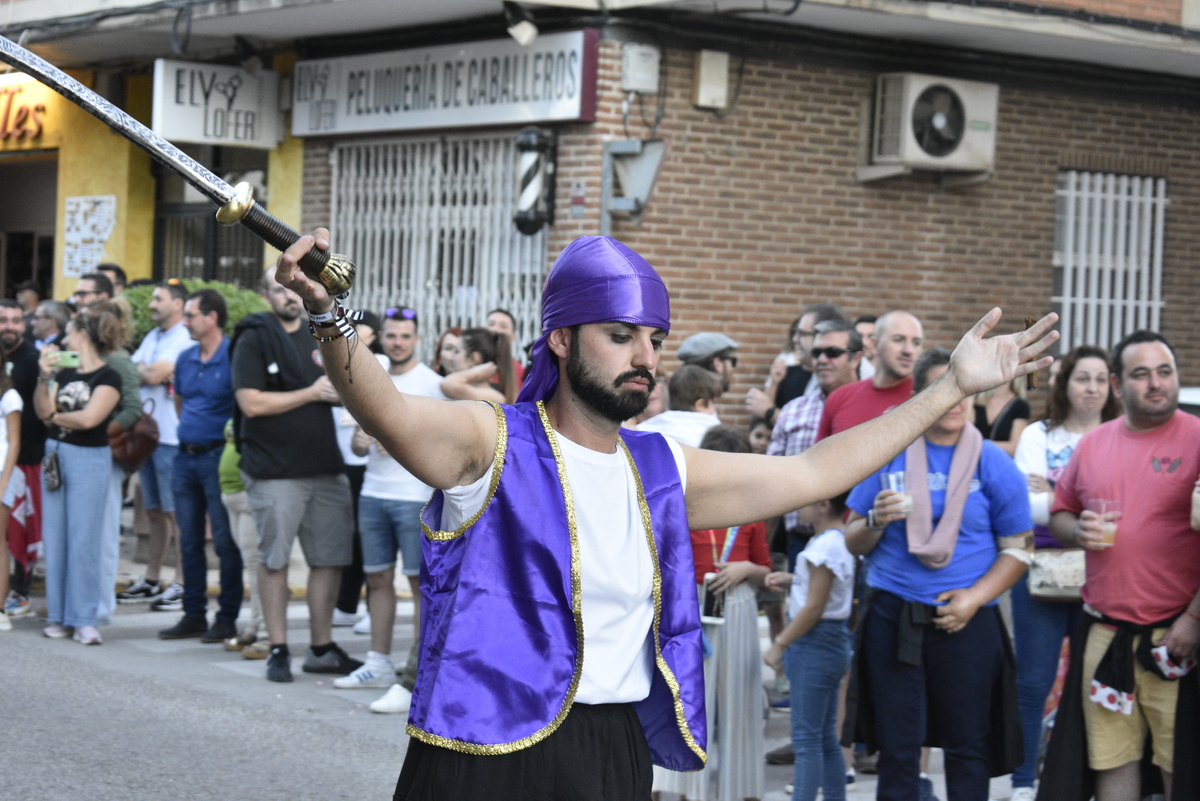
(333, 270)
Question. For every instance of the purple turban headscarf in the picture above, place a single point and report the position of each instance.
(595, 280)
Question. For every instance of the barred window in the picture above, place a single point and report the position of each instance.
(1108, 245)
(429, 223)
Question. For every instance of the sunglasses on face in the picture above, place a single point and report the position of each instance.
(831, 353)
(731, 359)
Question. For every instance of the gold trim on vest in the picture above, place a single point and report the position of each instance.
(497, 469)
(663, 667)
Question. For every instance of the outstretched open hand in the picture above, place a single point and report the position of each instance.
(979, 364)
(289, 274)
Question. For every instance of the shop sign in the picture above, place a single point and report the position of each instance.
(212, 104)
(480, 83)
(23, 114)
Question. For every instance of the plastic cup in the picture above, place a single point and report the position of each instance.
(895, 482)
(1109, 510)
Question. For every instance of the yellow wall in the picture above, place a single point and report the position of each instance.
(285, 171)
(92, 160)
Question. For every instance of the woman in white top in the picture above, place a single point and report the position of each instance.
(817, 642)
(1080, 400)
(10, 488)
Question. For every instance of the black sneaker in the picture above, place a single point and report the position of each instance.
(141, 591)
(783, 755)
(279, 664)
(188, 626)
(220, 631)
(335, 660)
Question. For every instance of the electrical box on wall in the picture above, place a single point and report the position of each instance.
(639, 68)
(711, 88)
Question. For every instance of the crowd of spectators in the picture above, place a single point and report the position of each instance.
(933, 605)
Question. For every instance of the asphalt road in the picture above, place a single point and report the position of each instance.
(142, 718)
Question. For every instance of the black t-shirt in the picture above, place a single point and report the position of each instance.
(794, 382)
(1000, 429)
(24, 360)
(74, 391)
(297, 444)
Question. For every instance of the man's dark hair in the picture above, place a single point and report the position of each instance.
(854, 342)
(865, 318)
(29, 286)
(505, 312)
(100, 282)
(10, 303)
(934, 357)
(725, 438)
(825, 311)
(115, 269)
(692, 383)
(1136, 338)
(175, 287)
(210, 300)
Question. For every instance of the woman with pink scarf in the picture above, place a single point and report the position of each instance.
(948, 529)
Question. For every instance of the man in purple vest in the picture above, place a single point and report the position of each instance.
(560, 637)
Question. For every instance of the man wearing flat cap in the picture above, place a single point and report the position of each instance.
(560, 636)
(713, 351)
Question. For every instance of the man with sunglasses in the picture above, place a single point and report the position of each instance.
(561, 644)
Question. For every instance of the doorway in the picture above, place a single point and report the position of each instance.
(28, 208)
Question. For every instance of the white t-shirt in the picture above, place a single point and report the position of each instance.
(385, 478)
(686, 427)
(825, 550)
(9, 402)
(343, 426)
(1042, 453)
(157, 346)
(616, 573)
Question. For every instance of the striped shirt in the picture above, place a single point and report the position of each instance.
(796, 431)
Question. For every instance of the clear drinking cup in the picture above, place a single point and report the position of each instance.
(895, 482)
(1109, 510)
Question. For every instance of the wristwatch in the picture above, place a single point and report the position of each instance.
(872, 523)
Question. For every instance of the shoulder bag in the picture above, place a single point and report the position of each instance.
(132, 448)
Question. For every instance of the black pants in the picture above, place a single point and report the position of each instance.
(599, 753)
(948, 698)
(350, 590)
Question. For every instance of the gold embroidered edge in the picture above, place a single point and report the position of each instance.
(663, 667)
(577, 608)
(497, 469)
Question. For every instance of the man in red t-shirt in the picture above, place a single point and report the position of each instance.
(1147, 573)
(897, 339)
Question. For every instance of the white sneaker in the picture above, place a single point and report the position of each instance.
(343, 619)
(394, 700)
(363, 626)
(377, 671)
(1023, 794)
(4, 624)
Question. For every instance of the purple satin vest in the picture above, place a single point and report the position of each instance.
(501, 627)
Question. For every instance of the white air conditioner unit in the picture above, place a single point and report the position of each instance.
(931, 123)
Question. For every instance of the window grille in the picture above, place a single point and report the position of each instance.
(429, 223)
(1108, 246)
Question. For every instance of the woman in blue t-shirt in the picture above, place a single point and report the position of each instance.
(948, 529)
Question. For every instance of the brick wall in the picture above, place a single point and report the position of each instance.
(758, 213)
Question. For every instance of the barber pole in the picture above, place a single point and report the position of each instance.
(535, 167)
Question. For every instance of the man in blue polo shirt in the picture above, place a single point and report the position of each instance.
(204, 401)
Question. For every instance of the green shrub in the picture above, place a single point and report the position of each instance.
(240, 302)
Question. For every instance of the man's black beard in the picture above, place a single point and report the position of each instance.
(7, 347)
(610, 402)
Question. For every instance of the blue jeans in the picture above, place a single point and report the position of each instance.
(1038, 632)
(197, 491)
(949, 694)
(387, 527)
(73, 532)
(815, 665)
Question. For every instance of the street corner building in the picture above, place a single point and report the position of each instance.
(943, 157)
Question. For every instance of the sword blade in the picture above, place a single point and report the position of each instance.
(194, 173)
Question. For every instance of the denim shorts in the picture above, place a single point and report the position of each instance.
(387, 527)
(157, 478)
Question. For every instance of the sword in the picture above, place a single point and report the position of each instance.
(237, 205)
